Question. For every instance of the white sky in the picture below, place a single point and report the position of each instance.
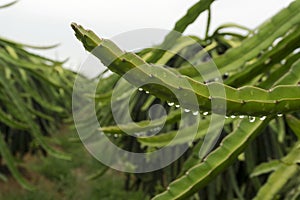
(41, 22)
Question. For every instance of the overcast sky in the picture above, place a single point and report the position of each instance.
(41, 22)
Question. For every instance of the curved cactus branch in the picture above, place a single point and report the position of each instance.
(200, 174)
(247, 100)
